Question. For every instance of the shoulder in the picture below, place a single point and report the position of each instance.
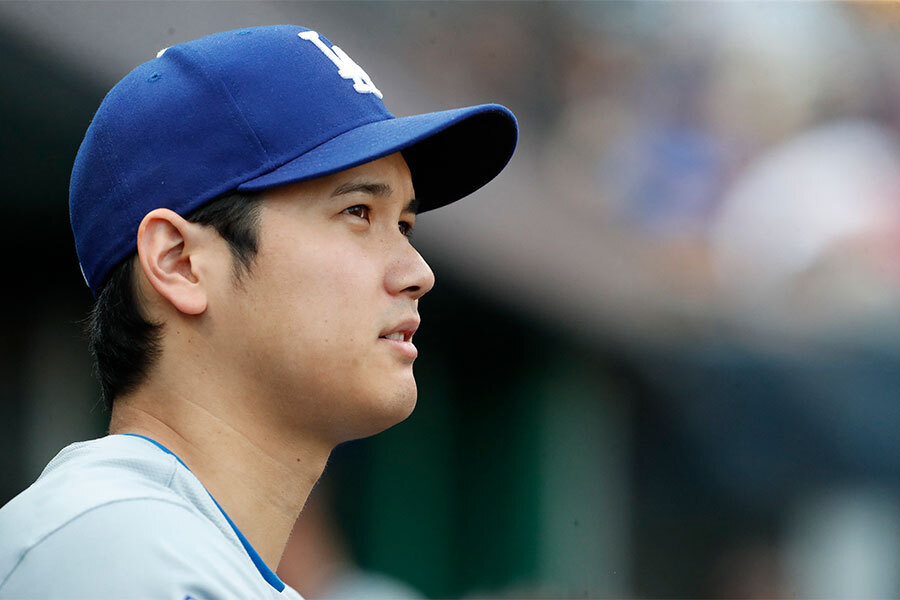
(130, 547)
(81, 478)
(104, 519)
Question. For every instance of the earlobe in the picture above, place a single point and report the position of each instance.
(165, 246)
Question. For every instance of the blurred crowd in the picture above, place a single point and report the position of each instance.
(739, 162)
(744, 155)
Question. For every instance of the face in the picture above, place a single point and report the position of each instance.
(322, 325)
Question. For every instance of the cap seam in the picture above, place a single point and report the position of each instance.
(125, 193)
(274, 165)
(121, 185)
(217, 79)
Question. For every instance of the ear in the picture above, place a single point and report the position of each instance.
(166, 245)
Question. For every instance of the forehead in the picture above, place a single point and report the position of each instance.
(387, 177)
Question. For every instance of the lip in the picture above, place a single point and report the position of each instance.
(404, 346)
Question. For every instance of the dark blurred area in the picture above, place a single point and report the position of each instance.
(663, 352)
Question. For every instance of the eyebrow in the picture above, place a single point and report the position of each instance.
(374, 189)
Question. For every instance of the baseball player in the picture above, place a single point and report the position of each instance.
(241, 207)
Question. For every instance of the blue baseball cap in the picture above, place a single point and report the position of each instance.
(249, 110)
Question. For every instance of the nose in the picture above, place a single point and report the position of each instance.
(409, 274)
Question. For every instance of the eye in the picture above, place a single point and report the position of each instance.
(360, 210)
(406, 228)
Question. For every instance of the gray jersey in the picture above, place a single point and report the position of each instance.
(122, 517)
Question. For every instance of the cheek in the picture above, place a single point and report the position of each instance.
(322, 299)
(312, 318)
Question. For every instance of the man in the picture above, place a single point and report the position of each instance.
(241, 208)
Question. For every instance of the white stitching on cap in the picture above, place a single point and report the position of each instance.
(347, 68)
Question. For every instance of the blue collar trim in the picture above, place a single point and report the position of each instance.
(264, 570)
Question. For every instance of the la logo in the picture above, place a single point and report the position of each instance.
(347, 69)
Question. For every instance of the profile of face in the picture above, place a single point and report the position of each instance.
(322, 324)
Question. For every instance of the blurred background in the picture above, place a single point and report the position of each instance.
(662, 358)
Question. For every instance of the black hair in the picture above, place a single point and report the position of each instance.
(125, 345)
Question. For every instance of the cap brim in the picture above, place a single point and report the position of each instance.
(450, 153)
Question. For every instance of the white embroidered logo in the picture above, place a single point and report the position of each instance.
(347, 69)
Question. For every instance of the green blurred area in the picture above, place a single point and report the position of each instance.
(507, 478)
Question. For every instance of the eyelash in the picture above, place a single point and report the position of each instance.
(406, 228)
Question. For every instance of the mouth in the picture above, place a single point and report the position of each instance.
(400, 337)
(401, 332)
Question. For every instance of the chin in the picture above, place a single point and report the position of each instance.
(385, 411)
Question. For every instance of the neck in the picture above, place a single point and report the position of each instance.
(260, 476)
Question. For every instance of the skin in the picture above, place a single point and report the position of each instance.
(259, 378)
